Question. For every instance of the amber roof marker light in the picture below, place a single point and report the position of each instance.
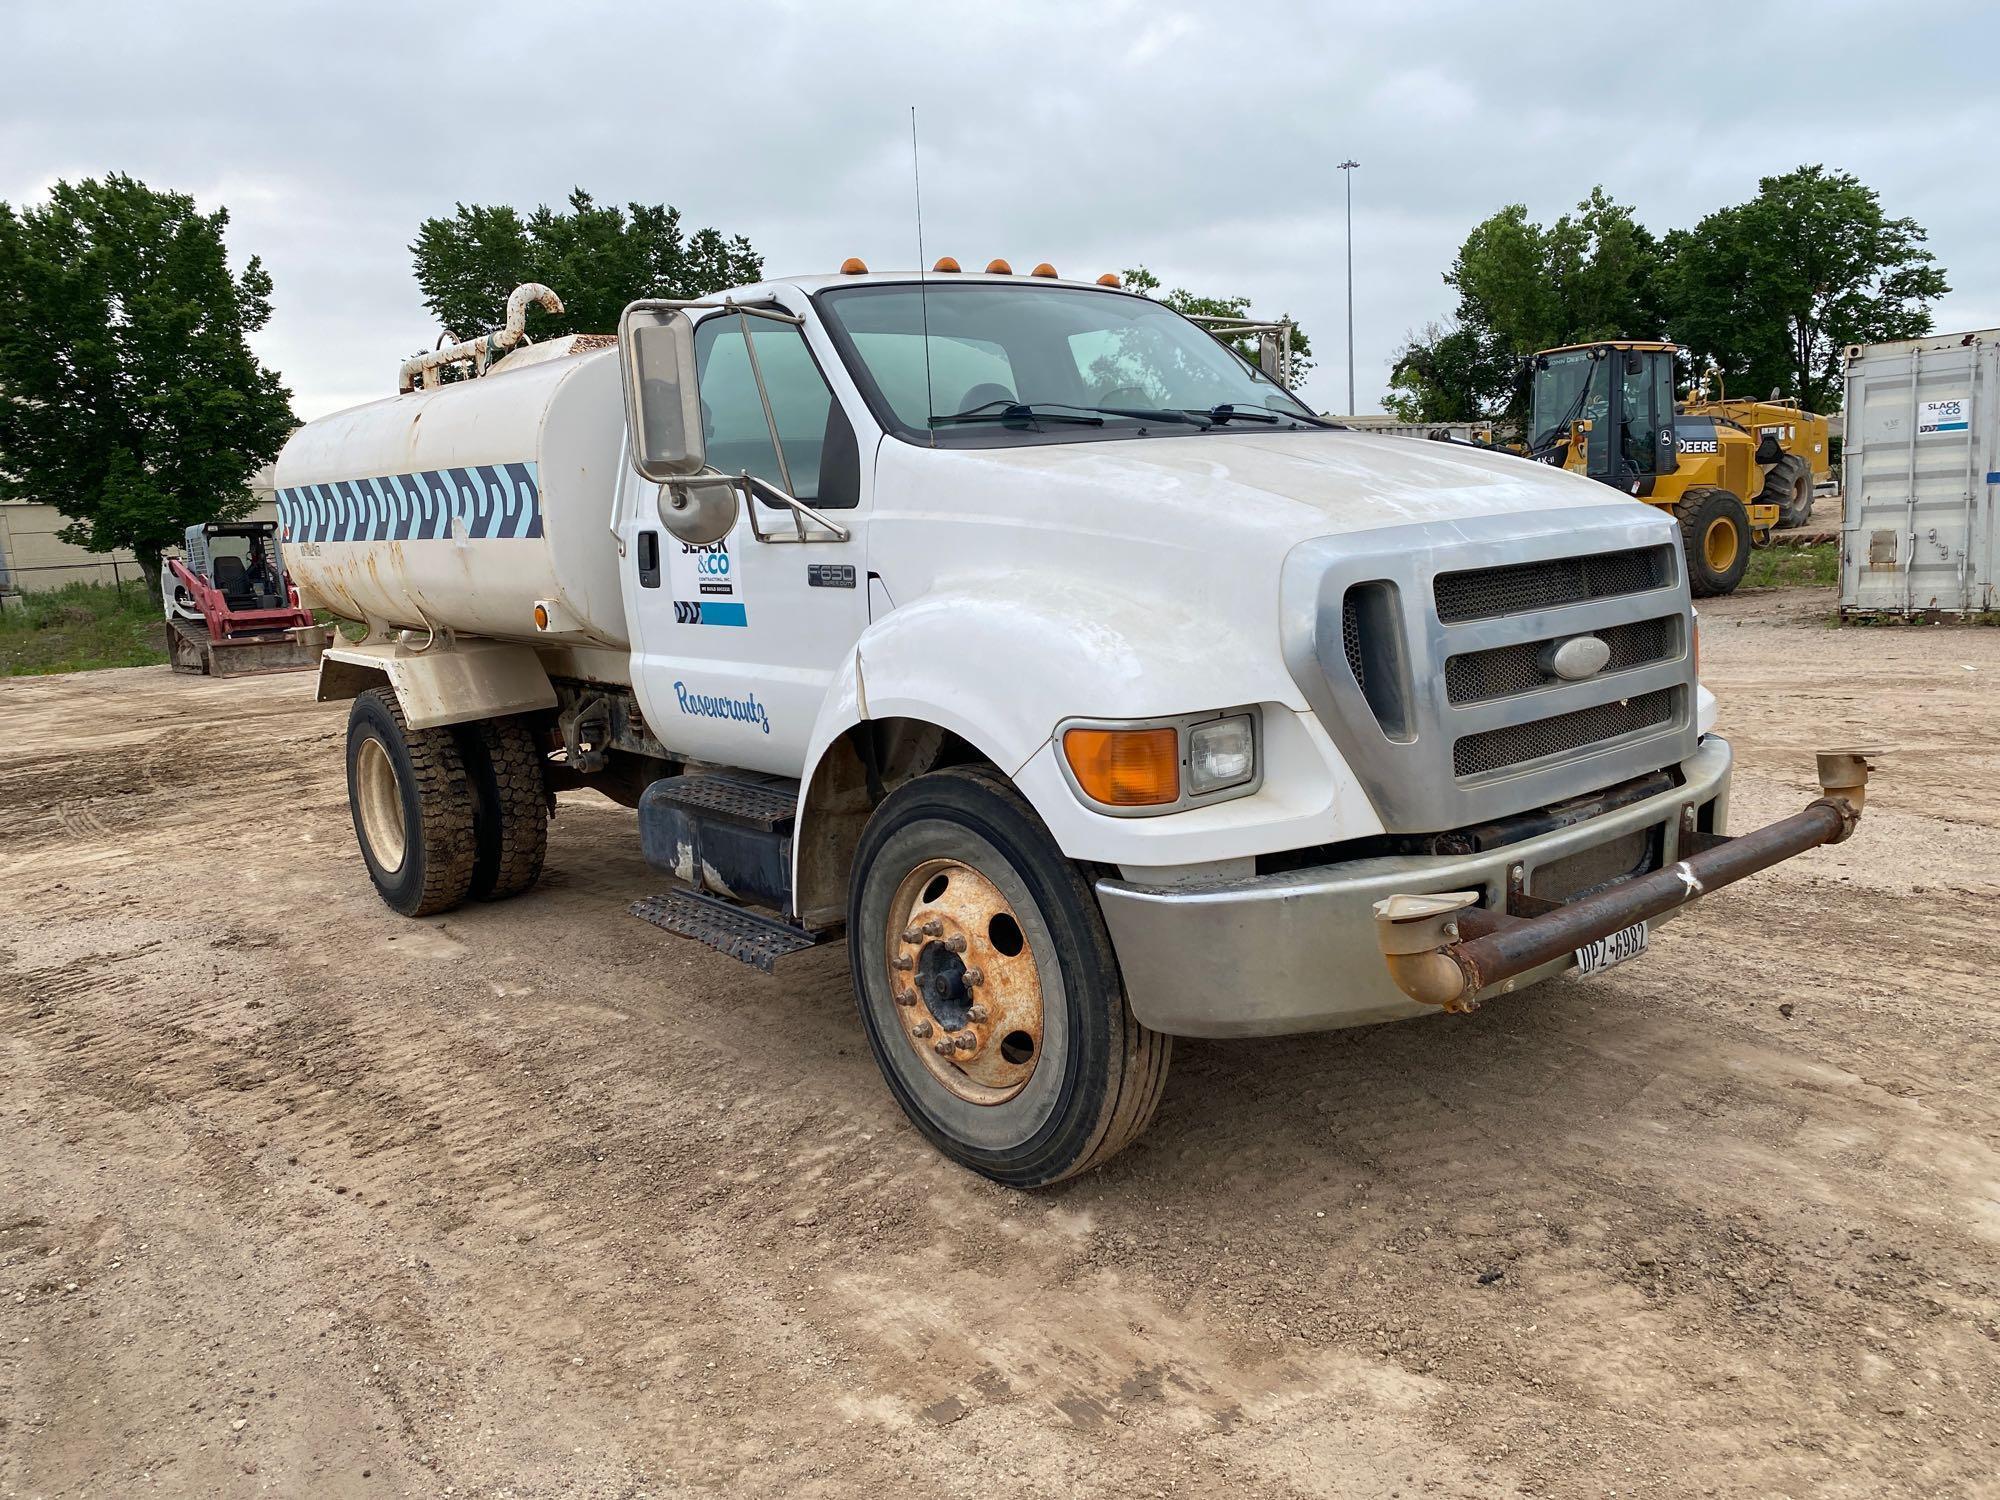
(854, 265)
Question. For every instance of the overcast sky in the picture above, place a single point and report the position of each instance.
(1198, 140)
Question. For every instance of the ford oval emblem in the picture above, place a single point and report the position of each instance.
(1579, 657)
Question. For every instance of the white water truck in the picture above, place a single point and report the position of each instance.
(1017, 630)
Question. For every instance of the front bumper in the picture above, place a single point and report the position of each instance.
(1276, 954)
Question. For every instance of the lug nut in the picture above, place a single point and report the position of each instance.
(902, 961)
(975, 975)
(921, 1029)
(906, 997)
(942, 1046)
(965, 1041)
(954, 944)
(976, 1014)
(911, 935)
(933, 927)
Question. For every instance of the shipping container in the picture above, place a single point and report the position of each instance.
(1921, 469)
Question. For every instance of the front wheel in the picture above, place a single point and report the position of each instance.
(1715, 535)
(988, 987)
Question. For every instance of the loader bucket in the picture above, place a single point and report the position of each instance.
(189, 649)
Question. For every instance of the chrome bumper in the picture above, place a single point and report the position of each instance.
(1299, 951)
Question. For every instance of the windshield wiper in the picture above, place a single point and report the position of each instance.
(1228, 413)
(1011, 410)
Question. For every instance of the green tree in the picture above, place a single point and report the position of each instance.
(1187, 304)
(596, 258)
(1446, 374)
(1595, 273)
(1774, 289)
(129, 397)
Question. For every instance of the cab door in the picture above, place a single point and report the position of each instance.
(737, 643)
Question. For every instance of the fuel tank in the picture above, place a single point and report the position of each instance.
(466, 505)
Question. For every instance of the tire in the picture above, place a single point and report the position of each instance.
(1789, 486)
(412, 807)
(1715, 538)
(1022, 1110)
(510, 806)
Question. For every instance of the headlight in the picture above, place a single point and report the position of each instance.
(1149, 766)
(1221, 753)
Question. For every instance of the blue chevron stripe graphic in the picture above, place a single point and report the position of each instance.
(486, 502)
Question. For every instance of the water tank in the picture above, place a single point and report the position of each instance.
(466, 505)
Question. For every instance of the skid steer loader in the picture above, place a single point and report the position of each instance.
(1729, 471)
(231, 606)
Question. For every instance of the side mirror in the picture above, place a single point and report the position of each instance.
(662, 392)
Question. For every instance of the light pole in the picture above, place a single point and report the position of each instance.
(1347, 171)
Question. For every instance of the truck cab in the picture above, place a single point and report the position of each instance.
(1036, 644)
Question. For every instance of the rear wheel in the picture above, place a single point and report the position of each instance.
(1789, 486)
(1715, 536)
(412, 807)
(510, 816)
(988, 987)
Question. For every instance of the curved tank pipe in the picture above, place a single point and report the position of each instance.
(419, 368)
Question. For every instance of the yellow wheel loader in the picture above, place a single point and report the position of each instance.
(1729, 470)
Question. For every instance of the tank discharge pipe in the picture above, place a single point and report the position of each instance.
(1444, 949)
(421, 369)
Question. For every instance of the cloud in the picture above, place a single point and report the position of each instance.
(1198, 139)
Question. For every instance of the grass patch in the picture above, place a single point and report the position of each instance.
(1813, 567)
(81, 627)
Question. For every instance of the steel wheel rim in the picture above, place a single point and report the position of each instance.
(1718, 544)
(380, 803)
(965, 982)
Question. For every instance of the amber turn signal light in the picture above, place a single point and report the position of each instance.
(1125, 767)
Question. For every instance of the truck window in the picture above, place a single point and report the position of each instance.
(732, 416)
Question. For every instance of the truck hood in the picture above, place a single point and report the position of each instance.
(1306, 483)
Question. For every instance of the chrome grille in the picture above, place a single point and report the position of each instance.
(1497, 749)
(1504, 671)
(1517, 588)
(1418, 648)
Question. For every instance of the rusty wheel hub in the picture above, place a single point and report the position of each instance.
(968, 995)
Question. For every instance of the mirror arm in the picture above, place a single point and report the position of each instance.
(755, 309)
(770, 419)
(755, 489)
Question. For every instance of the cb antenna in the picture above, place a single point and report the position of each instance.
(923, 286)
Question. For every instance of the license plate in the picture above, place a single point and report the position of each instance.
(1613, 949)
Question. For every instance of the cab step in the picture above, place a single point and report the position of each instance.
(726, 927)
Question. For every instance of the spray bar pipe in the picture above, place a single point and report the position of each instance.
(421, 369)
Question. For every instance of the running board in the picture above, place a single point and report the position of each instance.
(724, 926)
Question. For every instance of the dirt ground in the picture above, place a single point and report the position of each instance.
(302, 1198)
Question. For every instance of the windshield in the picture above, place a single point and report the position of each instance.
(1564, 392)
(1006, 361)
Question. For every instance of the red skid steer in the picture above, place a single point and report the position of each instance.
(231, 606)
